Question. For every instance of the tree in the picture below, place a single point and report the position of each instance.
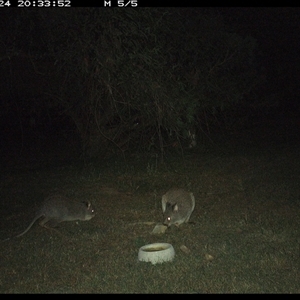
(163, 69)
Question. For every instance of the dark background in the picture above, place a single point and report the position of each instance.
(276, 31)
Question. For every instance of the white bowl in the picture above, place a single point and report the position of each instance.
(156, 253)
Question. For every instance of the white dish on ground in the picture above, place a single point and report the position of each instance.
(156, 253)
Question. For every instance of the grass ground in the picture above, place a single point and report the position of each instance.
(244, 236)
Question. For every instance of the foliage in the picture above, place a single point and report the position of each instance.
(140, 77)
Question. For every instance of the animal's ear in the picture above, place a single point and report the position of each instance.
(168, 205)
(87, 203)
(163, 203)
(175, 207)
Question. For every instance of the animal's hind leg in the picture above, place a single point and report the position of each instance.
(187, 218)
(49, 224)
(44, 221)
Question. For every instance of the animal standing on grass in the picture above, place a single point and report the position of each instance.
(177, 206)
(56, 209)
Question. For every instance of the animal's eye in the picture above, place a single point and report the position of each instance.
(169, 218)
